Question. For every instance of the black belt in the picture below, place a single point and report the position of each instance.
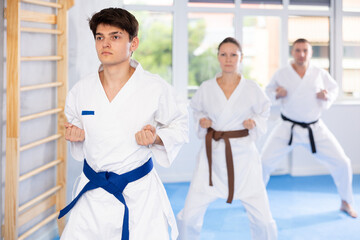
(304, 125)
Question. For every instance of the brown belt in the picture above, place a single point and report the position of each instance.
(217, 135)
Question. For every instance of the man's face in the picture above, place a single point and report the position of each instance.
(302, 53)
(113, 45)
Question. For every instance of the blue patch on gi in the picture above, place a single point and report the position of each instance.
(88, 113)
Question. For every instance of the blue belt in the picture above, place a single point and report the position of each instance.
(113, 184)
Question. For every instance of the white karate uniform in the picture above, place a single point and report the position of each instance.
(302, 105)
(247, 101)
(110, 145)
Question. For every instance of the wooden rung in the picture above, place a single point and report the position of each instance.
(41, 141)
(42, 3)
(39, 170)
(39, 86)
(39, 198)
(37, 210)
(41, 30)
(42, 58)
(39, 17)
(40, 114)
(38, 226)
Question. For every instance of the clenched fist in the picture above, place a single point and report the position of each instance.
(205, 123)
(73, 133)
(322, 95)
(249, 124)
(147, 136)
(280, 92)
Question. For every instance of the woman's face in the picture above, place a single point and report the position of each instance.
(229, 57)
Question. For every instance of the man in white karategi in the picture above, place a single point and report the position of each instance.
(120, 118)
(303, 92)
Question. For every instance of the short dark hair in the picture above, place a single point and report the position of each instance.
(230, 40)
(116, 17)
(301, 40)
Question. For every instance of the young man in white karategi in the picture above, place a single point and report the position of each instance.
(230, 113)
(303, 92)
(120, 118)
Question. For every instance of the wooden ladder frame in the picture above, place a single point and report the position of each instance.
(15, 215)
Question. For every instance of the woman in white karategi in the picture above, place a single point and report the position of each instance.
(119, 119)
(303, 92)
(230, 113)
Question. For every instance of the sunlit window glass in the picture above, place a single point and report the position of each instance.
(351, 57)
(211, 3)
(316, 30)
(309, 4)
(351, 5)
(206, 31)
(155, 48)
(152, 2)
(262, 4)
(261, 46)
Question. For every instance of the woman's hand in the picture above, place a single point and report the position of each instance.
(249, 124)
(205, 123)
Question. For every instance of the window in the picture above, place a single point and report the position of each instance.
(309, 4)
(350, 75)
(205, 32)
(179, 39)
(351, 57)
(155, 48)
(317, 31)
(147, 2)
(261, 46)
(211, 3)
(351, 5)
(262, 4)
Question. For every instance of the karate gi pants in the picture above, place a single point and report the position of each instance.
(190, 219)
(328, 151)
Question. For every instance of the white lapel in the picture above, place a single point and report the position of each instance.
(229, 105)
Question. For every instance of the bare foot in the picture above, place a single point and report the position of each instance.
(348, 209)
